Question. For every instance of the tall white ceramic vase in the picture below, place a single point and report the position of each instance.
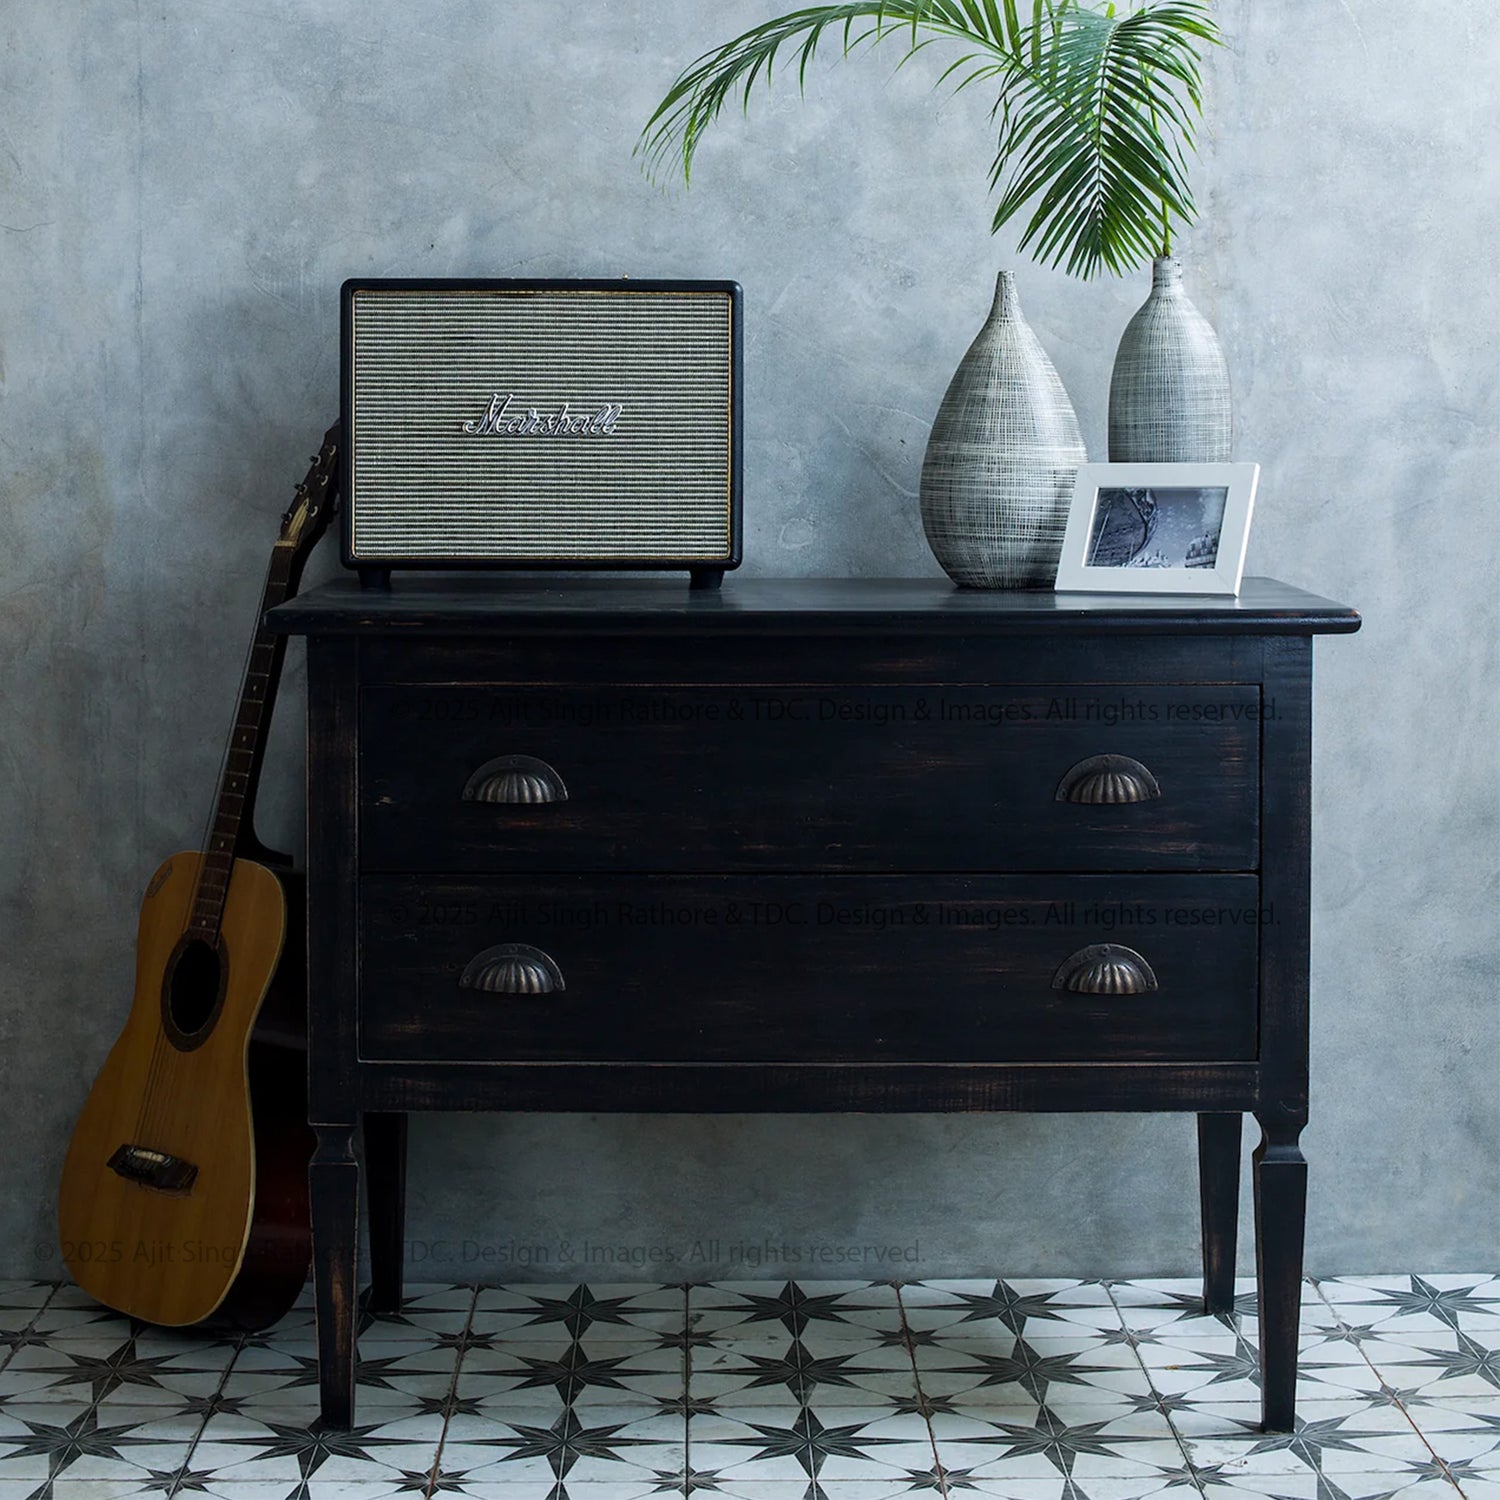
(1004, 452)
(1169, 400)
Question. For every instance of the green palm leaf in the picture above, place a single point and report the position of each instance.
(1095, 140)
(1095, 111)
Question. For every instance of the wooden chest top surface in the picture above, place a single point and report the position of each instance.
(506, 604)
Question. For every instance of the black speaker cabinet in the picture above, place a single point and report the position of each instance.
(542, 424)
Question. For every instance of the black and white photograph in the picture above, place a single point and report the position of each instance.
(1157, 528)
(1167, 528)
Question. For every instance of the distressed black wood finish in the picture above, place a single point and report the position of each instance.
(818, 969)
(385, 1188)
(1219, 1202)
(853, 768)
(813, 1088)
(905, 609)
(1280, 1219)
(333, 1185)
(857, 805)
(1280, 1169)
(332, 986)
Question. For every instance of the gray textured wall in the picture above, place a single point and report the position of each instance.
(184, 185)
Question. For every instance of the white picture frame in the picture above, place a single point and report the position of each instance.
(1186, 503)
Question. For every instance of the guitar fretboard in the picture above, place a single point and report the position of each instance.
(235, 808)
(237, 786)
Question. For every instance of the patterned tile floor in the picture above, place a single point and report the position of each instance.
(1036, 1390)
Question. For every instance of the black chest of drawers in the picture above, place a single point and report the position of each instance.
(807, 846)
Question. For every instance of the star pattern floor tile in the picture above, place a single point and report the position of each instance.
(20, 1304)
(1037, 1389)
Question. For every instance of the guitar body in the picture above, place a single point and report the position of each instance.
(205, 1216)
(184, 1193)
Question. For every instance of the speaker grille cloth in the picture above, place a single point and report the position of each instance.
(425, 363)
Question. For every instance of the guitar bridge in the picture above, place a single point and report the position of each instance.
(153, 1169)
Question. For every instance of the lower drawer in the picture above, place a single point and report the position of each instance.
(811, 969)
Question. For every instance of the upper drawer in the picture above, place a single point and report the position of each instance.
(685, 778)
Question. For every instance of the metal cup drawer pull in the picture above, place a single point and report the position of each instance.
(520, 780)
(512, 969)
(1105, 969)
(1108, 779)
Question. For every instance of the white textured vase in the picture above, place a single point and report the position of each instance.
(1004, 453)
(1169, 399)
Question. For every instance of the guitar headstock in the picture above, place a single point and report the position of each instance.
(312, 507)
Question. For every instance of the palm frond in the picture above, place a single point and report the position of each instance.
(1096, 139)
(700, 94)
(1096, 111)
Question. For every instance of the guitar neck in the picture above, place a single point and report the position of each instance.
(234, 809)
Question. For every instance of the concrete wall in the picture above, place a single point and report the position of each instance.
(183, 186)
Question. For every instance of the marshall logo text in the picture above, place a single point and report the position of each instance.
(505, 419)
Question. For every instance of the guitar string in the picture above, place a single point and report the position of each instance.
(148, 1122)
(158, 1093)
(152, 1121)
(277, 588)
(166, 1068)
(163, 1068)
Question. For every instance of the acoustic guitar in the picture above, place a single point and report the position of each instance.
(184, 1193)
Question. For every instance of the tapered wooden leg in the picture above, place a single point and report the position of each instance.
(1280, 1223)
(385, 1187)
(1219, 1202)
(333, 1181)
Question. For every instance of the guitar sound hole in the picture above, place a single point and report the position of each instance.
(194, 989)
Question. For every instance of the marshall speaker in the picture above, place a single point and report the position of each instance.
(542, 424)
